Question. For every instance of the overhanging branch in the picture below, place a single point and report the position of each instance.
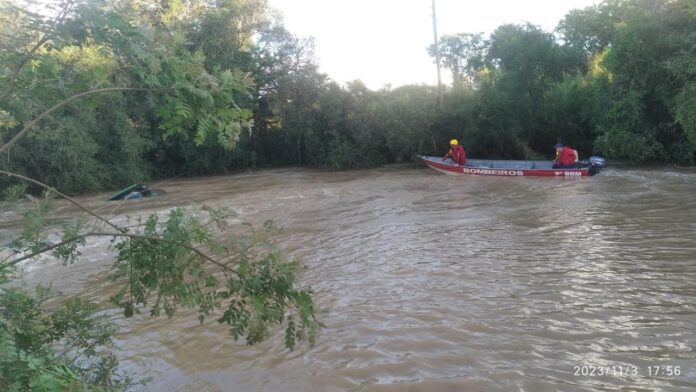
(64, 196)
(127, 235)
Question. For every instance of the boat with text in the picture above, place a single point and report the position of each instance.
(510, 168)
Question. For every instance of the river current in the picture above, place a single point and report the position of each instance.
(431, 282)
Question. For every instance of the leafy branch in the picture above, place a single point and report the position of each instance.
(165, 261)
(67, 7)
(66, 197)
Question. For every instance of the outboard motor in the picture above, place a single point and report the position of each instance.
(596, 164)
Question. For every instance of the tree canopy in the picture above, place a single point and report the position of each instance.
(223, 85)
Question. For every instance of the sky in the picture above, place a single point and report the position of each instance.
(384, 41)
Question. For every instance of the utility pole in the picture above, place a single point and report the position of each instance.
(437, 58)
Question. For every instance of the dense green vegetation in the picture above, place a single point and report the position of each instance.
(225, 86)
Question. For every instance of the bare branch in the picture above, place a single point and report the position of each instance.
(64, 196)
(122, 232)
(204, 256)
(44, 250)
(160, 239)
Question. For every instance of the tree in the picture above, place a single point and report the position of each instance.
(97, 46)
(649, 60)
(288, 86)
(464, 55)
(590, 29)
(526, 62)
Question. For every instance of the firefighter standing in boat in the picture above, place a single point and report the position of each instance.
(456, 152)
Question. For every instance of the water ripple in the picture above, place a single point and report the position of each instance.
(432, 283)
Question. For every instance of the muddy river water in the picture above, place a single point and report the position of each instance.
(438, 283)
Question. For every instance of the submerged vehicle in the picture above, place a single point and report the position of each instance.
(490, 167)
(135, 191)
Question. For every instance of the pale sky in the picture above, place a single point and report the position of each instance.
(384, 41)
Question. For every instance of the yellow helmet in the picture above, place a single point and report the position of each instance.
(453, 142)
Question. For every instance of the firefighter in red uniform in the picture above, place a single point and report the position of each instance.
(566, 157)
(456, 152)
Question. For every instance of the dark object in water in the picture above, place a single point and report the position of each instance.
(136, 191)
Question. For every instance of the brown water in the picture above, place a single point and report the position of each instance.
(439, 283)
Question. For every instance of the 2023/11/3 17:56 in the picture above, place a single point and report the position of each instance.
(627, 370)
